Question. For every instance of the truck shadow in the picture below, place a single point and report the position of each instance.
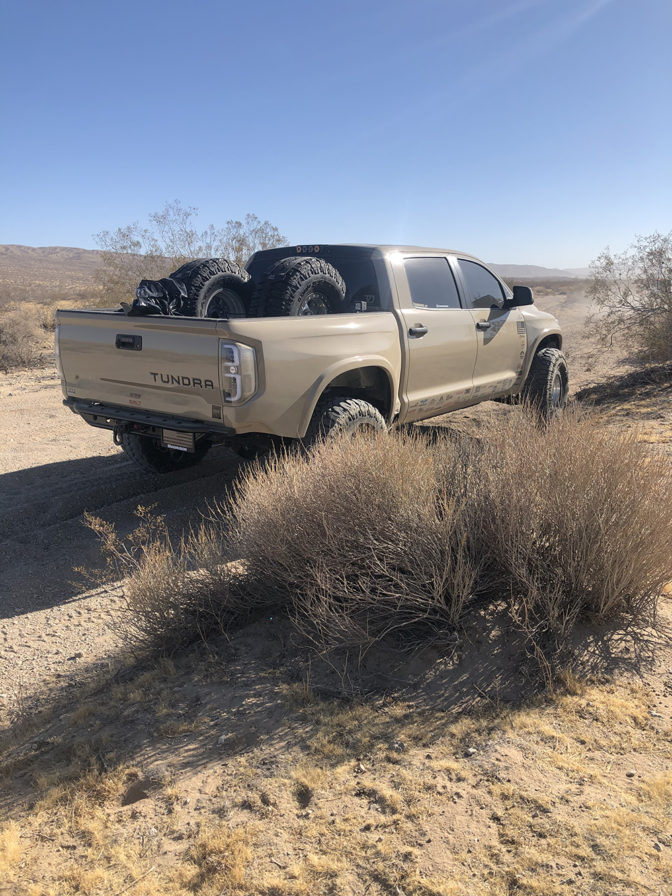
(43, 535)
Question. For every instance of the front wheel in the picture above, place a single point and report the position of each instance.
(547, 383)
(153, 457)
(335, 415)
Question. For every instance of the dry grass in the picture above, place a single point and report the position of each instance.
(20, 339)
(175, 593)
(217, 861)
(543, 807)
(11, 850)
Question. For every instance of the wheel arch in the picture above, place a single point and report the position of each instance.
(373, 382)
(545, 339)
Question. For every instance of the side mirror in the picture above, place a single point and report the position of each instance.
(522, 295)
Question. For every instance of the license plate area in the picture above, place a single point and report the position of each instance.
(180, 441)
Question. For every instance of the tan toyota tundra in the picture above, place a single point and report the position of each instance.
(306, 342)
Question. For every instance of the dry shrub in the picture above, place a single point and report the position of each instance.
(46, 316)
(19, 339)
(361, 536)
(577, 522)
(174, 593)
(378, 536)
(569, 522)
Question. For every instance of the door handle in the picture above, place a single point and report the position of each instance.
(483, 325)
(128, 341)
(416, 332)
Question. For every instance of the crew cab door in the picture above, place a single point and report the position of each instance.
(439, 338)
(500, 331)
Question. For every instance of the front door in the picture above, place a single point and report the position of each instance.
(500, 331)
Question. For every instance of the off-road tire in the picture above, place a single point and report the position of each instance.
(222, 297)
(335, 415)
(298, 286)
(196, 274)
(153, 457)
(546, 387)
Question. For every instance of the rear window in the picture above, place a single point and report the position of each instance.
(364, 275)
(431, 283)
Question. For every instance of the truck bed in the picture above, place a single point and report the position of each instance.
(173, 366)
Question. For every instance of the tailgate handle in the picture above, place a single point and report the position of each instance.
(128, 341)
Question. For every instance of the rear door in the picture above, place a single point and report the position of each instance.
(439, 335)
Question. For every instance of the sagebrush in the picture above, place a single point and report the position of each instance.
(20, 340)
(632, 292)
(578, 522)
(400, 536)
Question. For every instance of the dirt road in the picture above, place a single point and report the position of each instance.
(53, 467)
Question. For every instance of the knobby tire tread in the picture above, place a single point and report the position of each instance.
(275, 295)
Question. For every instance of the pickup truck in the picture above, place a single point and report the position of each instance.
(416, 333)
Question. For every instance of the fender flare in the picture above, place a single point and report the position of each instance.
(532, 350)
(332, 373)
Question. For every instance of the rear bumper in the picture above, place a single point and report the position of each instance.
(109, 416)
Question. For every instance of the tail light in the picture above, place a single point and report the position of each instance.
(238, 371)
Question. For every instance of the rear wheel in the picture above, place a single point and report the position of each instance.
(336, 415)
(547, 383)
(153, 457)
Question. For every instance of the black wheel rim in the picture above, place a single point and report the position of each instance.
(313, 302)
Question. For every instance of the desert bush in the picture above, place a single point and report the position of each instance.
(46, 316)
(632, 292)
(399, 536)
(362, 537)
(577, 523)
(568, 522)
(175, 592)
(19, 339)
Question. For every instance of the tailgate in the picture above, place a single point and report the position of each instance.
(168, 365)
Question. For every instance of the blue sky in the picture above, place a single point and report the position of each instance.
(524, 131)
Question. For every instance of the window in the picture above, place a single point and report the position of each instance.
(482, 286)
(431, 283)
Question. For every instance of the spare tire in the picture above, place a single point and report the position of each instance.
(196, 276)
(221, 297)
(298, 286)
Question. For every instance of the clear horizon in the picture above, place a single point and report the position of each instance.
(526, 132)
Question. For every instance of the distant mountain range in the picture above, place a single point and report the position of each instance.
(61, 266)
(50, 266)
(534, 272)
